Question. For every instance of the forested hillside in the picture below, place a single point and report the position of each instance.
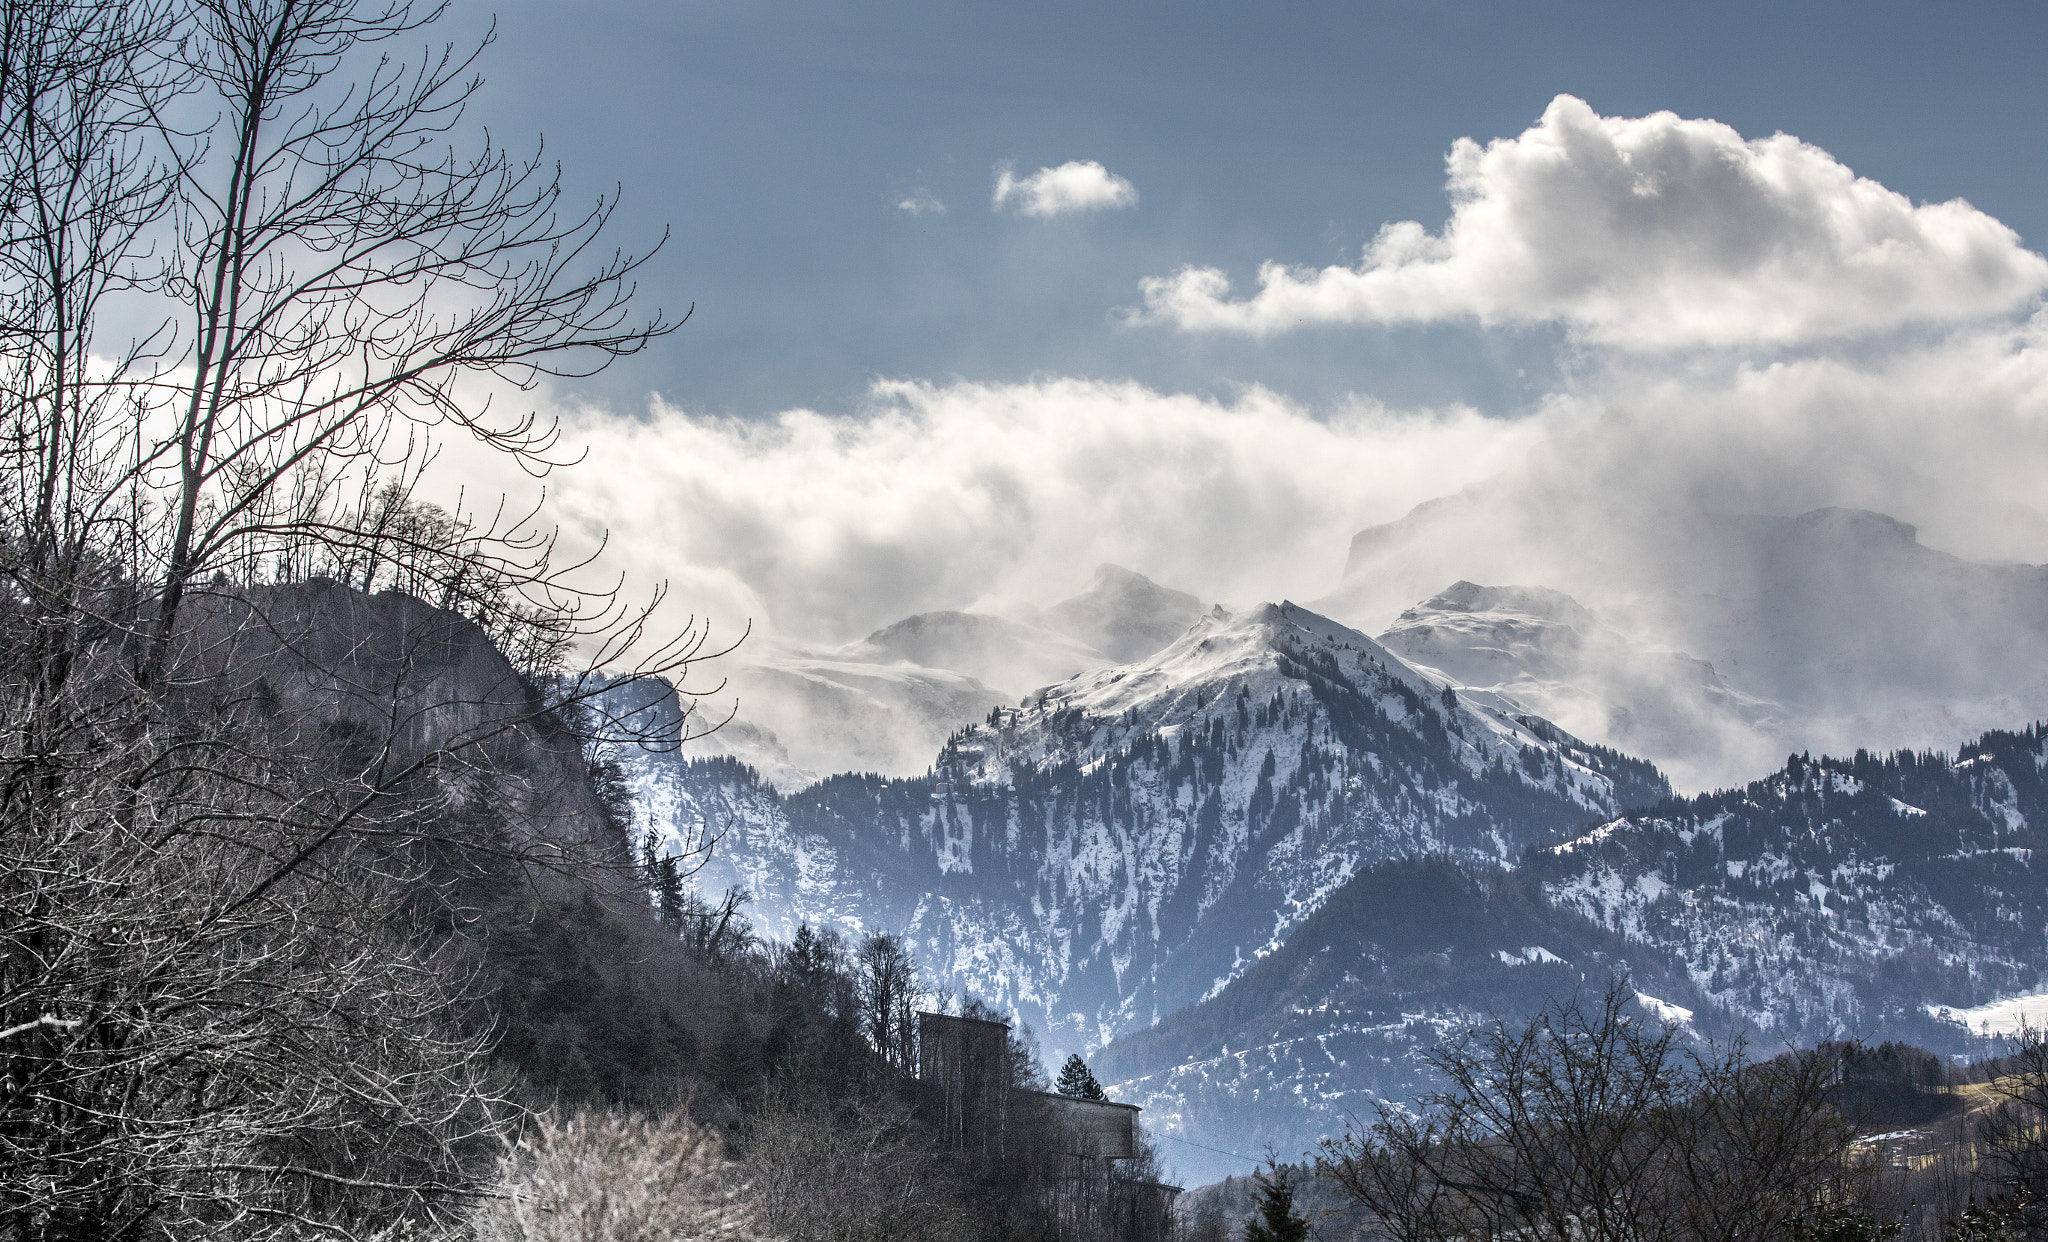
(1872, 897)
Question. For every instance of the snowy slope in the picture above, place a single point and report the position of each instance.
(1884, 897)
(1129, 840)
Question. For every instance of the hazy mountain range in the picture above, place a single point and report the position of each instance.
(1256, 860)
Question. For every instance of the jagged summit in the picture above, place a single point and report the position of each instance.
(1280, 656)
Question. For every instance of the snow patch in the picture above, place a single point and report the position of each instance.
(1663, 1010)
(2000, 1017)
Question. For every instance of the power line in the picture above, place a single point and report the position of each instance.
(1205, 1147)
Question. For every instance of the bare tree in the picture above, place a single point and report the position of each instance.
(2013, 1136)
(1586, 1124)
(889, 996)
(238, 797)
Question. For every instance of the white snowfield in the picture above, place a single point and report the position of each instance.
(2000, 1017)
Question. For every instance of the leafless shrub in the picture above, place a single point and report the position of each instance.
(857, 1172)
(612, 1177)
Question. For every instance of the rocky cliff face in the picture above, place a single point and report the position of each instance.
(405, 683)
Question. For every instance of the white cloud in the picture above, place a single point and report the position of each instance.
(1077, 185)
(922, 202)
(1648, 234)
(819, 528)
(823, 528)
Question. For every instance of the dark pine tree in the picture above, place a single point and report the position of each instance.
(1278, 1221)
(1075, 1080)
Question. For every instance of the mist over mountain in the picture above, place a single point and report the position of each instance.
(1547, 651)
(1711, 643)
(1124, 614)
(887, 703)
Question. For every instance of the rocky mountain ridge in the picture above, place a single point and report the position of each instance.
(1126, 842)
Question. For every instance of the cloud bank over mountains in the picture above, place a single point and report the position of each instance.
(1651, 233)
(1753, 330)
(823, 528)
(960, 495)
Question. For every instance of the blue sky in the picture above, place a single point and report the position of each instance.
(774, 140)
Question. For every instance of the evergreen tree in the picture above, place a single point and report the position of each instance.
(1280, 1223)
(1075, 1080)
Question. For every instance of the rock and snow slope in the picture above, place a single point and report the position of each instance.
(1129, 840)
(1885, 897)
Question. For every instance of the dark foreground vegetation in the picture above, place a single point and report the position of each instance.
(320, 908)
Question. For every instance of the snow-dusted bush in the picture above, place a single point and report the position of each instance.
(610, 1176)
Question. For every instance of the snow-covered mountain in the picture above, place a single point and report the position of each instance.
(1874, 896)
(887, 703)
(1271, 864)
(1838, 624)
(1128, 841)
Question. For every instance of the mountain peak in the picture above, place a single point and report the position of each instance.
(1124, 614)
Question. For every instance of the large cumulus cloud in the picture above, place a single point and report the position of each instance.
(1648, 233)
(823, 526)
